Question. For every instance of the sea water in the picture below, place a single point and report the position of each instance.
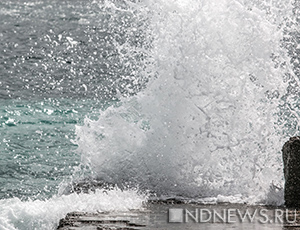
(179, 99)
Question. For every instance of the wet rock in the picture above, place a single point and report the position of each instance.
(291, 161)
(94, 221)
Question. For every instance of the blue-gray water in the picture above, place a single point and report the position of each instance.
(188, 99)
(58, 64)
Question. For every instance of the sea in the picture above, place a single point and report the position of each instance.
(107, 104)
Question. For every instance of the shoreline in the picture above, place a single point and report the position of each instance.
(164, 215)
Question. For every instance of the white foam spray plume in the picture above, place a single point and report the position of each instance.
(209, 123)
(39, 214)
(206, 124)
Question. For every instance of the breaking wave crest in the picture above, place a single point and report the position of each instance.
(207, 123)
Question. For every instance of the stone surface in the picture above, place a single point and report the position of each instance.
(291, 161)
(98, 221)
(156, 216)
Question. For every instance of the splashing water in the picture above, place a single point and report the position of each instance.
(201, 96)
(39, 214)
(207, 124)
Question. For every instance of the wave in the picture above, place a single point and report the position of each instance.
(200, 110)
(207, 122)
(45, 214)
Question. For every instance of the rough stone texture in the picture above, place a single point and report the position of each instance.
(97, 221)
(155, 216)
(291, 161)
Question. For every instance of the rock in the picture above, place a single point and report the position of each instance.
(291, 163)
(97, 221)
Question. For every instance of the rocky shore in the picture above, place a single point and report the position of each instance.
(177, 215)
(98, 221)
(158, 216)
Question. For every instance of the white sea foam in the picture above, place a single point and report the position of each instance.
(45, 215)
(206, 125)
